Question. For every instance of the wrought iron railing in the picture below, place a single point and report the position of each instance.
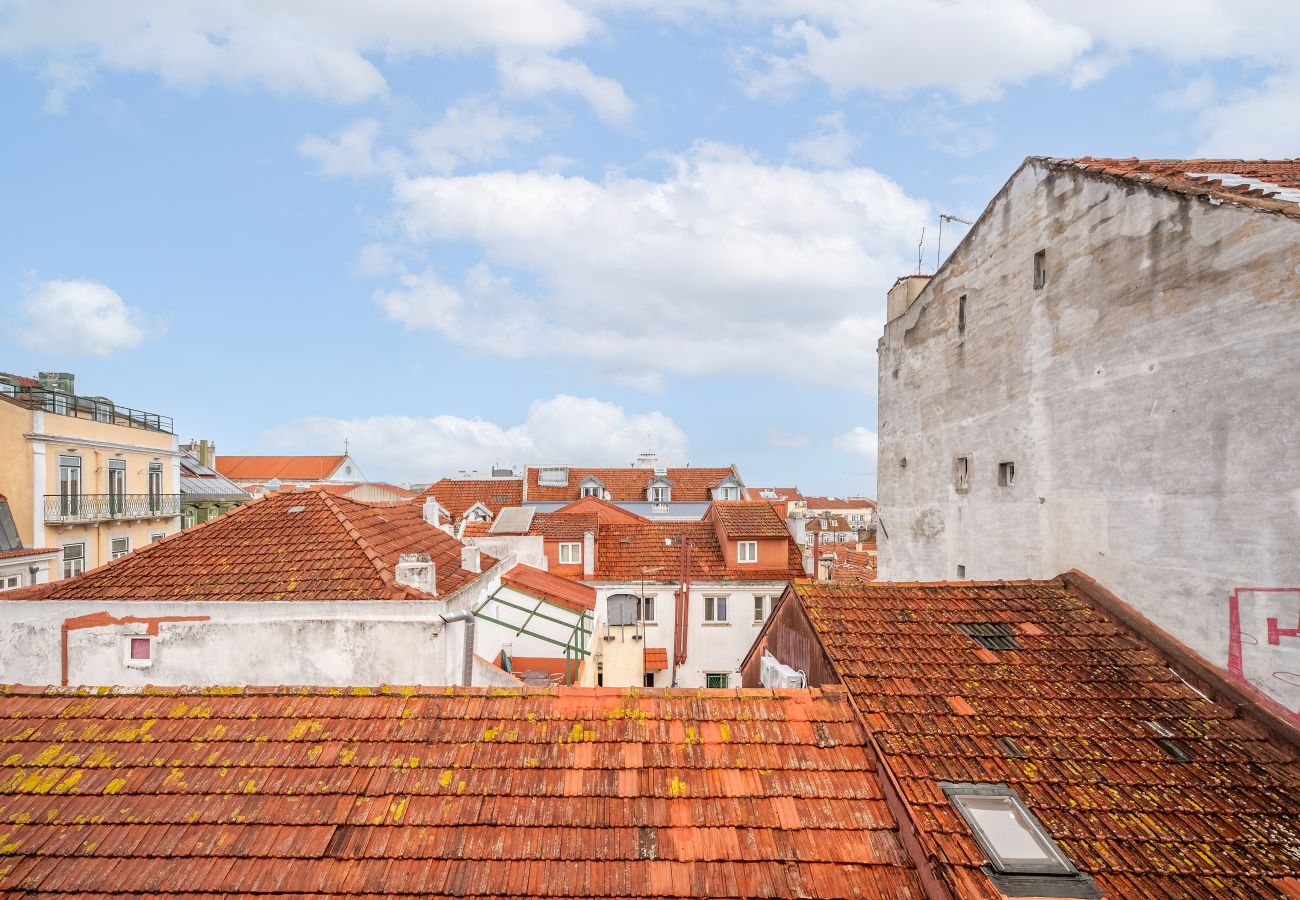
(103, 507)
(95, 408)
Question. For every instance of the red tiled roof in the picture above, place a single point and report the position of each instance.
(626, 484)
(547, 586)
(562, 526)
(457, 495)
(849, 566)
(782, 493)
(624, 550)
(301, 546)
(749, 519)
(28, 551)
(264, 468)
(1251, 182)
(833, 524)
(1075, 697)
(477, 529)
(603, 510)
(656, 659)
(838, 503)
(22, 379)
(485, 793)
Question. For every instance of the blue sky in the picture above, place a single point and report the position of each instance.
(462, 234)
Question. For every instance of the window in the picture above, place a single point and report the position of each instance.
(991, 635)
(961, 313)
(103, 412)
(730, 493)
(1040, 269)
(553, 475)
(1165, 740)
(212, 513)
(570, 554)
(9, 582)
(621, 609)
(156, 536)
(715, 609)
(1013, 840)
(660, 494)
(763, 608)
(138, 651)
(961, 571)
(590, 490)
(69, 485)
(1006, 474)
(74, 559)
(155, 486)
(649, 680)
(747, 551)
(190, 518)
(116, 486)
(118, 547)
(716, 679)
(646, 609)
(961, 473)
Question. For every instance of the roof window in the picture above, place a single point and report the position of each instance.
(553, 475)
(1010, 747)
(1014, 841)
(1165, 738)
(990, 635)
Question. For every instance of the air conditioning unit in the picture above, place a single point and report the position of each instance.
(774, 674)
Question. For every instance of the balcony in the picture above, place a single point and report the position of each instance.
(97, 409)
(83, 508)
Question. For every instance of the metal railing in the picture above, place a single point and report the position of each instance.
(94, 408)
(106, 507)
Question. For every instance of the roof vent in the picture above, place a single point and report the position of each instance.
(416, 570)
(990, 635)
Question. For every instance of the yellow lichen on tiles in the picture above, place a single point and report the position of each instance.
(361, 692)
(178, 710)
(314, 753)
(692, 736)
(445, 778)
(460, 787)
(677, 787)
(530, 762)
(490, 734)
(48, 755)
(397, 808)
(503, 692)
(725, 731)
(114, 786)
(302, 727)
(346, 755)
(250, 786)
(68, 783)
(14, 759)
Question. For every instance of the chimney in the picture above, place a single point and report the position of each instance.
(588, 554)
(470, 559)
(431, 511)
(417, 570)
(904, 291)
(207, 452)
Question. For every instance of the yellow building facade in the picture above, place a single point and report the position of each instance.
(84, 475)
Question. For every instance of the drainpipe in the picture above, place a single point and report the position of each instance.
(467, 664)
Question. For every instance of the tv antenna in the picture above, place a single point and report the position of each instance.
(943, 217)
(920, 246)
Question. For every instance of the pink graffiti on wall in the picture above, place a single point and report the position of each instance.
(1276, 629)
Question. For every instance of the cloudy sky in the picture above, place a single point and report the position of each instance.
(499, 231)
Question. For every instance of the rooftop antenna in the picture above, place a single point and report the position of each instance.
(944, 217)
(919, 248)
(345, 446)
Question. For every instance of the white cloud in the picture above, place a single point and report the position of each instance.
(830, 145)
(860, 441)
(351, 152)
(80, 316)
(725, 264)
(566, 429)
(786, 440)
(471, 131)
(320, 48)
(535, 76)
(1260, 123)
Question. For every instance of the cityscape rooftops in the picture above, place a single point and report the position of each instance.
(622, 484)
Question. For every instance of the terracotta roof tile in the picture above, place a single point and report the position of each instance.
(603, 510)
(264, 468)
(403, 792)
(563, 591)
(457, 495)
(849, 566)
(629, 484)
(1075, 695)
(28, 551)
(1272, 184)
(562, 526)
(749, 519)
(624, 550)
(656, 659)
(300, 546)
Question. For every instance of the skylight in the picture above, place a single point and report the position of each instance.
(1013, 840)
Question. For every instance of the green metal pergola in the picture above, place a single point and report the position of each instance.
(575, 643)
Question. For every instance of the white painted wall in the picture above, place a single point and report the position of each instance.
(710, 647)
(345, 642)
(1147, 395)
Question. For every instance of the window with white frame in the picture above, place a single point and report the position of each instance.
(747, 551)
(1014, 841)
(730, 492)
(715, 609)
(570, 554)
(74, 559)
(9, 582)
(647, 608)
(660, 494)
(763, 607)
(120, 546)
(137, 650)
(156, 536)
(590, 490)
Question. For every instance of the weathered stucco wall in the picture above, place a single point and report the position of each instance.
(343, 642)
(1148, 395)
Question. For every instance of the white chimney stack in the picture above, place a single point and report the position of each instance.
(469, 559)
(588, 554)
(431, 511)
(416, 570)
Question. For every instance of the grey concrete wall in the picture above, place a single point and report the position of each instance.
(1149, 396)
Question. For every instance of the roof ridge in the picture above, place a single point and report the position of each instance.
(376, 560)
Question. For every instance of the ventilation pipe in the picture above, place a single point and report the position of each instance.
(467, 664)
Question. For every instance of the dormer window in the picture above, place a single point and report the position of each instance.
(591, 487)
(659, 491)
(747, 551)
